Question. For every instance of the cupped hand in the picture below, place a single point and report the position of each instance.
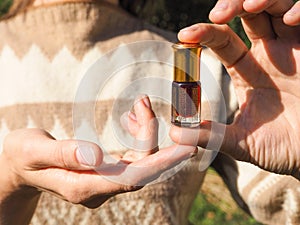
(266, 77)
(76, 171)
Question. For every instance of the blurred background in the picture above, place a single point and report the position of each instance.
(4, 6)
(177, 14)
(214, 204)
(166, 14)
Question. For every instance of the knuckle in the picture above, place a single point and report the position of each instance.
(62, 152)
(58, 153)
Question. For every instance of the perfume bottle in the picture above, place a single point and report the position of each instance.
(186, 87)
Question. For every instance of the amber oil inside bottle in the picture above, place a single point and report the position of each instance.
(186, 87)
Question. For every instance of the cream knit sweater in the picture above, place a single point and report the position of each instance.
(44, 55)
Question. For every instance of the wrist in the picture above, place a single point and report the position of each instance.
(8, 179)
(17, 201)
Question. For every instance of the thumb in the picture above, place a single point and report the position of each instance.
(39, 150)
(75, 154)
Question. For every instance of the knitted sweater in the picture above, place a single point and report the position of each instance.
(44, 56)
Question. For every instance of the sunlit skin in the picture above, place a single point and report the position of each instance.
(266, 77)
(33, 161)
(264, 132)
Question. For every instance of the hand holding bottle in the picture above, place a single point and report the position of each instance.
(266, 77)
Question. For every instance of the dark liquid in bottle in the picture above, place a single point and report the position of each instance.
(186, 97)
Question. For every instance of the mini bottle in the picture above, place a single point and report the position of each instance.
(186, 87)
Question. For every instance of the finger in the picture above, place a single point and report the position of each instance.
(148, 130)
(145, 130)
(264, 19)
(275, 8)
(140, 115)
(45, 151)
(148, 169)
(258, 26)
(143, 110)
(292, 16)
(220, 38)
(193, 136)
(241, 64)
(72, 154)
(75, 186)
(212, 136)
(225, 10)
(129, 122)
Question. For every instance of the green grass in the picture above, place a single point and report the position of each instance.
(205, 213)
(214, 205)
(4, 6)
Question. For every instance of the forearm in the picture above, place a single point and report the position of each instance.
(17, 203)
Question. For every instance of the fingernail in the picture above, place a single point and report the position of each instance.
(190, 28)
(221, 6)
(145, 100)
(86, 156)
(132, 115)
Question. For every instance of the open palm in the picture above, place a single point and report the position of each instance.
(266, 128)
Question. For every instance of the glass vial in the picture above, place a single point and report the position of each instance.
(186, 87)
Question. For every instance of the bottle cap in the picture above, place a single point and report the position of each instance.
(187, 62)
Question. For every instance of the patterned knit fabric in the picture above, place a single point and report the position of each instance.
(44, 54)
(270, 198)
